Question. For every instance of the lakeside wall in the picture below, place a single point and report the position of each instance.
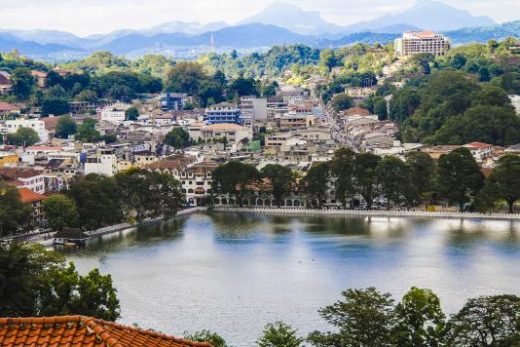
(373, 213)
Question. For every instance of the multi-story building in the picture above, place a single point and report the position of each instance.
(292, 121)
(422, 42)
(103, 163)
(196, 181)
(114, 113)
(174, 101)
(37, 125)
(222, 113)
(28, 178)
(33, 199)
(252, 108)
(232, 133)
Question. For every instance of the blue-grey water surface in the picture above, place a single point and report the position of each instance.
(233, 273)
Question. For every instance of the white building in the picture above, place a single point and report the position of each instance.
(252, 108)
(101, 164)
(11, 126)
(479, 150)
(422, 42)
(233, 133)
(515, 100)
(28, 178)
(114, 113)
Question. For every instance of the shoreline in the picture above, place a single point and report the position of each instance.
(372, 213)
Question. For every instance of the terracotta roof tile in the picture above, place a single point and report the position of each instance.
(28, 196)
(82, 331)
(6, 107)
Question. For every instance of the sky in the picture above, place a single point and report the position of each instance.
(85, 17)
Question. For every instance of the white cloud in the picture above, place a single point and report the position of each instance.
(85, 17)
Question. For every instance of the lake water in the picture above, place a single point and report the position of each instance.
(233, 273)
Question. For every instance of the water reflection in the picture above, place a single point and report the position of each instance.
(233, 272)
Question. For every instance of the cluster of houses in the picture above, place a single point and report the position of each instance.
(292, 128)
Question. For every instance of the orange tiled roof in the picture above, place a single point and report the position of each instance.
(6, 107)
(28, 196)
(82, 331)
(357, 111)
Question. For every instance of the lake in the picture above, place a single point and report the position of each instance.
(234, 272)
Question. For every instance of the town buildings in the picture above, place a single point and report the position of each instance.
(222, 113)
(422, 42)
(11, 126)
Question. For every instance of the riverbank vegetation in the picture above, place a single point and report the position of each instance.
(36, 282)
(418, 181)
(370, 318)
(95, 201)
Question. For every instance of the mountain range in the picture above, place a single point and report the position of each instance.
(277, 24)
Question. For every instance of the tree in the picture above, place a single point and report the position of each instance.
(315, 183)
(459, 177)
(178, 138)
(380, 108)
(60, 211)
(243, 87)
(487, 321)
(14, 214)
(279, 334)
(86, 96)
(394, 178)
(55, 106)
(22, 277)
(504, 181)
(235, 178)
(365, 175)
(328, 58)
(342, 167)
(87, 131)
(341, 102)
(98, 201)
(23, 137)
(132, 113)
(67, 292)
(34, 282)
(149, 193)
(362, 318)
(185, 77)
(420, 320)
(206, 336)
(496, 125)
(23, 82)
(422, 173)
(66, 126)
(282, 181)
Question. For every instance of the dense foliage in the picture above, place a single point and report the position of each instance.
(36, 282)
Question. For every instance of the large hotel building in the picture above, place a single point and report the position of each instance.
(422, 42)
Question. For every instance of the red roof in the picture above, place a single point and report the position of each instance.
(27, 196)
(357, 111)
(37, 73)
(50, 123)
(6, 107)
(78, 331)
(477, 145)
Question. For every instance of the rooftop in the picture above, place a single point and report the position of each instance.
(16, 173)
(477, 145)
(82, 331)
(27, 196)
(7, 107)
(223, 126)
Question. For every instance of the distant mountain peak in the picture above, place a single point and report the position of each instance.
(428, 14)
(293, 18)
